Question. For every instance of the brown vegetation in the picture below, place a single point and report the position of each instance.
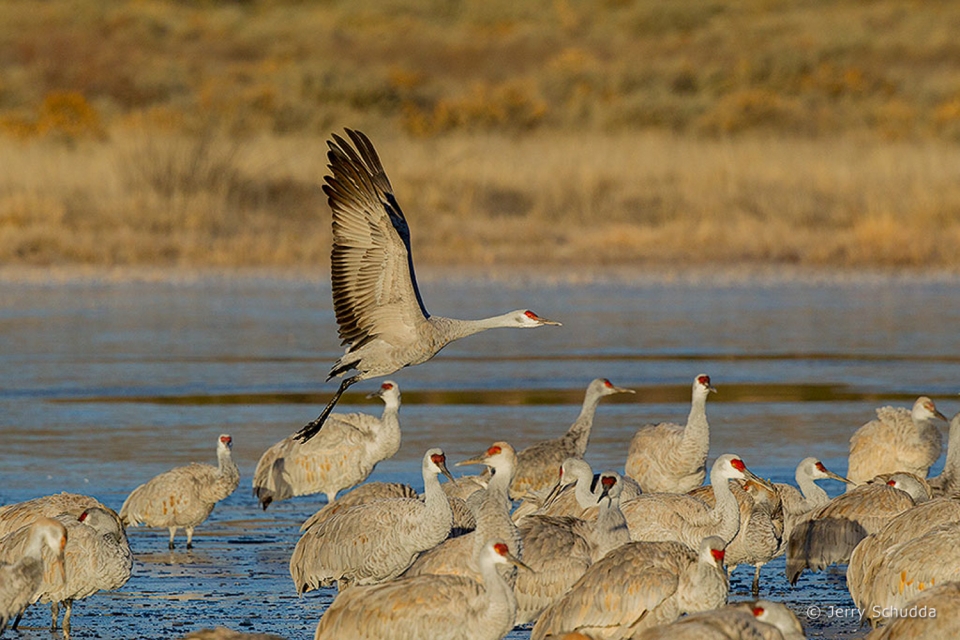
(668, 132)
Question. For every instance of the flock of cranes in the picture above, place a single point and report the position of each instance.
(643, 554)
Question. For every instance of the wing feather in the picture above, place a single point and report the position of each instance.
(375, 293)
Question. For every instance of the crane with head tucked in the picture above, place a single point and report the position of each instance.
(383, 321)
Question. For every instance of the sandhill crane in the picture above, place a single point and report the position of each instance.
(382, 318)
(20, 514)
(909, 524)
(23, 566)
(670, 458)
(639, 585)
(429, 606)
(559, 549)
(538, 463)
(948, 482)
(681, 517)
(351, 446)
(184, 496)
(761, 526)
(898, 440)
(97, 557)
(798, 504)
(832, 532)
(374, 541)
(577, 493)
(456, 555)
(905, 570)
(918, 623)
(760, 620)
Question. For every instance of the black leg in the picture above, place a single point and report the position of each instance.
(313, 428)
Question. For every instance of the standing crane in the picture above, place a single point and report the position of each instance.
(492, 513)
(639, 585)
(681, 517)
(670, 458)
(898, 440)
(444, 607)
(383, 321)
(374, 541)
(23, 565)
(538, 463)
(184, 496)
(96, 557)
(349, 449)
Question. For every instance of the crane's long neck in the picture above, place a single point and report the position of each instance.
(501, 612)
(388, 436)
(697, 432)
(450, 329)
(610, 529)
(585, 497)
(813, 494)
(493, 515)
(702, 586)
(726, 509)
(226, 467)
(438, 516)
(579, 431)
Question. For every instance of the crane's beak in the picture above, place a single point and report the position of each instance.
(623, 390)
(834, 476)
(445, 471)
(604, 493)
(517, 562)
(754, 477)
(481, 459)
(552, 323)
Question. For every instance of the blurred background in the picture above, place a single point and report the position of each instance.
(622, 132)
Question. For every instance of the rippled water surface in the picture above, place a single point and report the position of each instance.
(105, 384)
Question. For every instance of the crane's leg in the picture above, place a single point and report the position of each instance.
(68, 609)
(189, 531)
(54, 614)
(313, 428)
(173, 532)
(755, 589)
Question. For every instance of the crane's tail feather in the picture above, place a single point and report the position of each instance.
(313, 428)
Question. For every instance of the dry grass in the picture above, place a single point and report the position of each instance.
(645, 198)
(163, 132)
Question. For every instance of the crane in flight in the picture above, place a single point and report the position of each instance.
(384, 324)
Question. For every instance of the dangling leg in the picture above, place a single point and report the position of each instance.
(312, 428)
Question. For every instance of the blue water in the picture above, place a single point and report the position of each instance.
(104, 384)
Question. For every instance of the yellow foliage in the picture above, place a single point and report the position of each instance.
(68, 114)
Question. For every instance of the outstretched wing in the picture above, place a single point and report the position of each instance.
(374, 287)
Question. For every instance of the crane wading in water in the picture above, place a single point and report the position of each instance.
(384, 324)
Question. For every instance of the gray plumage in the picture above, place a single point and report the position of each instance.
(898, 440)
(538, 464)
(184, 496)
(442, 607)
(833, 531)
(944, 599)
(382, 320)
(341, 457)
(909, 524)
(368, 492)
(684, 518)
(636, 586)
(799, 503)
(374, 541)
(96, 557)
(577, 493)
(672, 458)
(24, 564)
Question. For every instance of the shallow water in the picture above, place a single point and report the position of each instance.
(105, 384)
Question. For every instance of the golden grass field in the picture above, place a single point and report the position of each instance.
(553, 132)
